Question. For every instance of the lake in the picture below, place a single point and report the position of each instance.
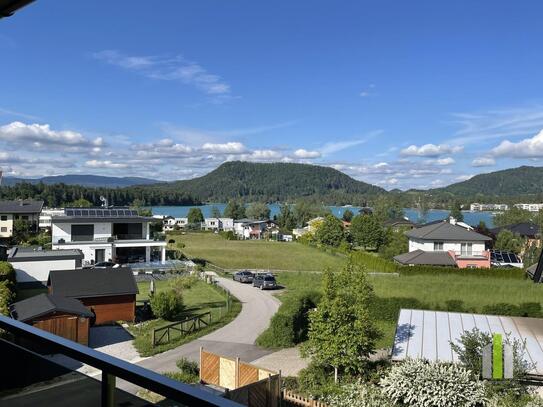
(472, 218)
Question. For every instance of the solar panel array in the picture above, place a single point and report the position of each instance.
(101, 213)
(504, 257)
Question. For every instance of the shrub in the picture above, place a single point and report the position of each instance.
(358, 395)
(183, 377)
(167, 304)
(178, 284)
(317, 380)
(228, 235)
(188, 366)
(290, 383)
(6, 297)
(7, 273)
(432, 384)
(289, 325)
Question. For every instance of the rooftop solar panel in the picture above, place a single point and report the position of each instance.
(100, 213)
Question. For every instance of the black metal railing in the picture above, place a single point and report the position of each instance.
(110, 366)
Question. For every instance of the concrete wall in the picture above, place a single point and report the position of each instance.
(6, 226)
(64, 231)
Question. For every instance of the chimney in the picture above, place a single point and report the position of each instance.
(452, 220)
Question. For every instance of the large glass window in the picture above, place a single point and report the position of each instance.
(82, 233)
(466, 249)
(438, 246)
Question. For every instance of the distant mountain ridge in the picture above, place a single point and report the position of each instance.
(273, 182)
(83, 180)
(525, 180)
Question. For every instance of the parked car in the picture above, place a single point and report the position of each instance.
(106, 265)
(243, 276)
(264, 281)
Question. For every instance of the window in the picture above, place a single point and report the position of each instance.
(466, 249)
(82, 233)
(4, 217)
(24, 217)
(438, 246)
(3, 229)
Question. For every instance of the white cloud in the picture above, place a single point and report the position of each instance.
(42, 136)
(442, 161)
(527, 148)
(105, 164)
(430, 150)
(368, 91)
(303, 153)
(483, 162)
(463, 177)
(174, 68)
(224, 148)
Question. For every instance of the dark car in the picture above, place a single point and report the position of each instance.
(243, 276)
(264, 281)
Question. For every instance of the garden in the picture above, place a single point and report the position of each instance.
(180, 299)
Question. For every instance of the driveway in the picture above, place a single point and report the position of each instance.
(235, 339)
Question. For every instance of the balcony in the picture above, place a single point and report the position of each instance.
(471, 254)
(29, 378)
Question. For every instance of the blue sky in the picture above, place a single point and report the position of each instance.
(400, 94)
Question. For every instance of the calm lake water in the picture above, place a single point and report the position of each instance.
(472, 218)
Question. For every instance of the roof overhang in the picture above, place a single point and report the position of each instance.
(8, 7)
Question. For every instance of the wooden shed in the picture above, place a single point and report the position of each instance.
(109, 293)
(61, 316)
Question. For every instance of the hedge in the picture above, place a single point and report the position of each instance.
(289, 325)
(514, 273)
(7, 295)
(7, 273)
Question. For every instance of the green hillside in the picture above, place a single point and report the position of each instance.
(519, 181)
(274, 182)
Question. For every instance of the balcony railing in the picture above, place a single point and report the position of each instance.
(29, 340)
(471, 253)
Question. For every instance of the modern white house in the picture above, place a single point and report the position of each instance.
(218, 224)
(33, 265)
(252, 229)
(170, 223)
(444, 244)
(532, 207)
(10, 211)
(103, 234)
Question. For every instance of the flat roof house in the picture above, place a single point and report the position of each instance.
(10, 211)
(34, 265)
(444, 243)
(103, 234)
(109, 293)
(61, 316)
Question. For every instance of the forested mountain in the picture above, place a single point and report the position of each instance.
(61, 194)
(517, 182)
(83, 180)
(274, 182)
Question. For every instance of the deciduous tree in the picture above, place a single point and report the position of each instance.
(258, 211)
(367, 232)
(234, 209)
(195, 216)
(330, 232)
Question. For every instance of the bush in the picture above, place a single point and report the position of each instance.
(167, 304)
(432, 384)
(178, 284)
(183, 377)
(289, 325)
(7, 273)
(514, 273)
(358, 395)
(188, 366)
(6, 297)
(374, 263)
(317, 381)
(229, 235)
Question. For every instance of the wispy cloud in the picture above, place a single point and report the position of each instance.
(430, 150)
(175, 68)
(496, 124)
(336, 146)
(368, 91)
(8, 112)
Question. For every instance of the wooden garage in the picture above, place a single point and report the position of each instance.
(109, 293)
(66, 317)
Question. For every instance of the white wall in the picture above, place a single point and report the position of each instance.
(6, 226)
(64, 231)
(38, 271)
(428, 246)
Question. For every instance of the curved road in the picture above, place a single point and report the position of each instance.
(235, 339)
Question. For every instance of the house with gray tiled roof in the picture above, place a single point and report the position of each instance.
(445, 244)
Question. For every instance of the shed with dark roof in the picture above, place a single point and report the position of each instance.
(109, 293)
(66, 317)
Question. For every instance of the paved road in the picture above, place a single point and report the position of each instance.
(235, 339)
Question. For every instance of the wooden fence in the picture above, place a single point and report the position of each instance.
(183, 327)
(248, 384)
(291, 399)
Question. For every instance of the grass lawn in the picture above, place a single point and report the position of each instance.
(448, 292)
(198, 299)
(256, 254)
